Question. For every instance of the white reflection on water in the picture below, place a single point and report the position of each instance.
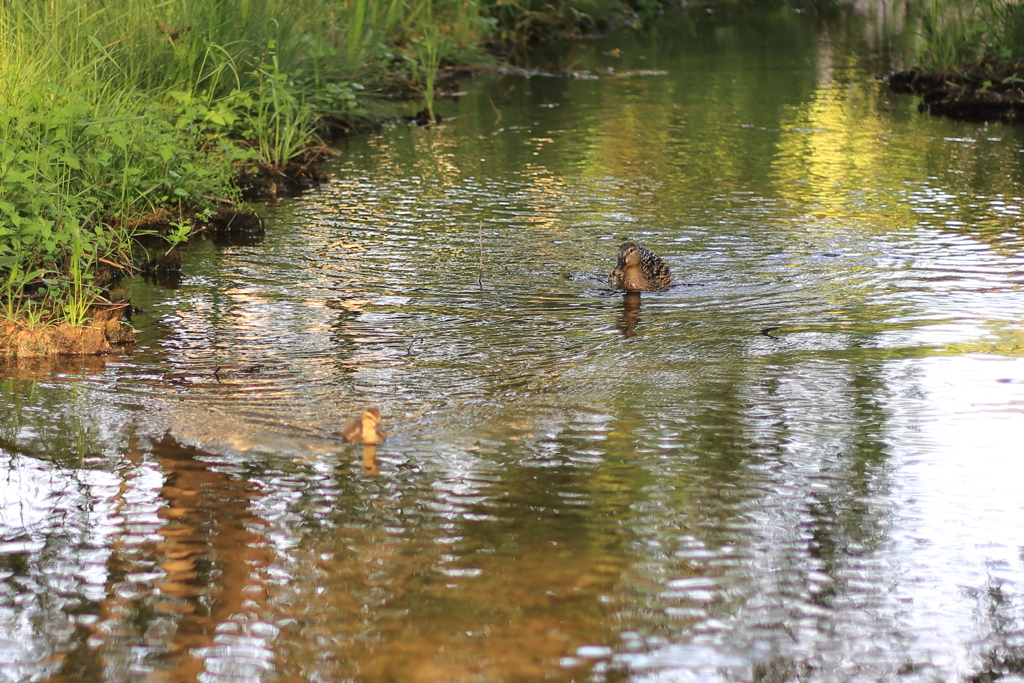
(959, 522)
(934, 591)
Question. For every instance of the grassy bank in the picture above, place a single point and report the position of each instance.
(112, 111)
(956, 35)
(968, 60)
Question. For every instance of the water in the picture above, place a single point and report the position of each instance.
(801, 462)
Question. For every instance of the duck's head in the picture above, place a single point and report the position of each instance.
(629, 256)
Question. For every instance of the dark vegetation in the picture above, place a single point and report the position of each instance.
(970, 59)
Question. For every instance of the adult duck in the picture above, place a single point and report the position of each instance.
(639, 270)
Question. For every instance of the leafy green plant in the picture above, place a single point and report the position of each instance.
(180, 230)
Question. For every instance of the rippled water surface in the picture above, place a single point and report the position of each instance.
(800, 463)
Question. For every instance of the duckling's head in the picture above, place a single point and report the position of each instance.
(371, 416)
(372, 433)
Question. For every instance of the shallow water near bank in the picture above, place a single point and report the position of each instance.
(801, 462)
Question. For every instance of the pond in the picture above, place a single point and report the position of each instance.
(795, 464)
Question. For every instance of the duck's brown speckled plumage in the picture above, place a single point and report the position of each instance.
(364, 429)
(639, 270)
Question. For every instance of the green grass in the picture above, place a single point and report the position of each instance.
(952, 34)
(1006, 27)
(955, 34)
(112, 108)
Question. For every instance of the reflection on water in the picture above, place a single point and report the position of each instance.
(798, 463)
(370, 464)
(630, 317)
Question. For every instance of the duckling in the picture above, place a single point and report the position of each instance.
(365, 428)
(639, 270)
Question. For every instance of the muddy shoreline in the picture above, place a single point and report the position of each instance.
(109, 325)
